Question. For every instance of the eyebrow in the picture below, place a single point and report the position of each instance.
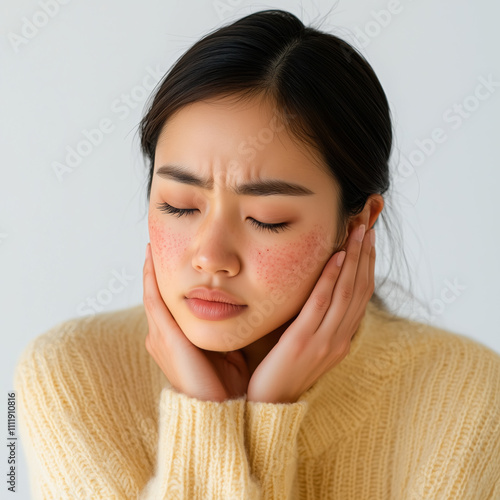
(264, 187)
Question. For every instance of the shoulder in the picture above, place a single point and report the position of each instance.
(426, 362)
(445, 394)
(408, 341)
(437, 366)
(70, 343)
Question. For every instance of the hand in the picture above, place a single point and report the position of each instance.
(320, 336)
(206, 375)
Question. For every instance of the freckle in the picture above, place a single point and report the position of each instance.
(280, 266)
(170, 246)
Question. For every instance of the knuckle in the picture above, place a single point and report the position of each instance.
(331, 273)
(321, 301)
(363, 283)
(341, 348)
(346, 292)
(324, 351)
(297, 349)
(352, 257)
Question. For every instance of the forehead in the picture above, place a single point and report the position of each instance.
(224, 130)
(236, 142)
(224, 115)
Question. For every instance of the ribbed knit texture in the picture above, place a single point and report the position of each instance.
(411, 413)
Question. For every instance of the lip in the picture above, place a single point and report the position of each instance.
(206, 309)
(213, 295)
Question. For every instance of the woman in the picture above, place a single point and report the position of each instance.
(262, 364)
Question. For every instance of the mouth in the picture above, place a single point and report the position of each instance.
(213, 295)
(213, 310)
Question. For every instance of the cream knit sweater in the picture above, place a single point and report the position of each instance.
(411, 413)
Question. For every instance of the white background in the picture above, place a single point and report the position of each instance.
(62, 239)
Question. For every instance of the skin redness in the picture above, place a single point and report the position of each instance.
(266, 251)
(279, 266)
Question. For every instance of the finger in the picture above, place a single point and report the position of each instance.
(343, 292)
(363, 280)
(313, 311)
(363, 283)
(159, 317)
(344, 288)
(371, 272)
(148, 300)
(148, 286)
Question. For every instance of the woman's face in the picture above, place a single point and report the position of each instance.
(217, 244)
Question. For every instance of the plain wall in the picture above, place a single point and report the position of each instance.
(64, 235)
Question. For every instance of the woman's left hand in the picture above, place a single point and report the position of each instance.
(320, 336)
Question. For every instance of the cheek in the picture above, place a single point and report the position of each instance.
(167, 246)
(283, 268)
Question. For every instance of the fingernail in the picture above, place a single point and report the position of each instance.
(148, 251)
(361, 232)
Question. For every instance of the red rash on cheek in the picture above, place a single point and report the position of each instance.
(167, 246)
(285, 266)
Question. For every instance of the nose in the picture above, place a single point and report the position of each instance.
(215, 249)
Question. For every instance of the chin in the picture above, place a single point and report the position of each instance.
(209, 335)
(216, 336)
(229, 334)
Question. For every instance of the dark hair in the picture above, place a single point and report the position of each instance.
(337, 102)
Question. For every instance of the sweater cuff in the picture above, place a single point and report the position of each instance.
(201, 451)
(271, 431)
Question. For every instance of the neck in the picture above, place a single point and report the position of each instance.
(255, 352)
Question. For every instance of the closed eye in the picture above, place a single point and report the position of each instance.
(179, 212)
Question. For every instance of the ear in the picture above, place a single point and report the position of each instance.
(372, 209)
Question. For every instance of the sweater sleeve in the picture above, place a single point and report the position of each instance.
(271, 432)
(80, 441)
(230, 450)
(449, 435)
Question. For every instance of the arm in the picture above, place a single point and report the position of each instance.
(81, 442)
(202, 451)
(271, 432)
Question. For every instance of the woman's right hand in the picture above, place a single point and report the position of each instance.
(206, 375)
